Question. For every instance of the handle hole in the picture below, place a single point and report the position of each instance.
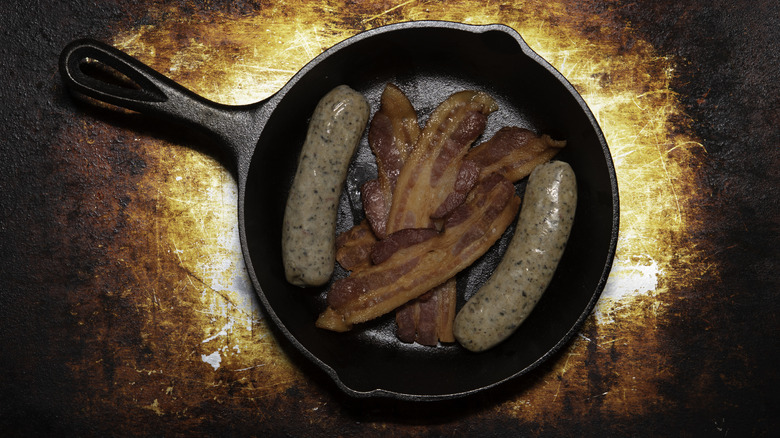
(107, 74)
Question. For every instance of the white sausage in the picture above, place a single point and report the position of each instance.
(309, 229)
(530, 260)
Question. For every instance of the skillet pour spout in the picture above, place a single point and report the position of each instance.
(428, 60)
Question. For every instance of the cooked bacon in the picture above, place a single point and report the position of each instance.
(429, 175)
(426, 320)
(433, 182)
(400, 239)
(412, 271)
(407, 318)
(393, 131)
(466, 178)
(513, 152)
(376, 205)
(354, 246)
(392, 134)
(445, 311)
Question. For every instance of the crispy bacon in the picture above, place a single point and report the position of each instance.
(433, 182)
(354, 246)
(414, 270)
(513, 152)
(376, 205)
(393, 132)
(430, 173)
(400, 239)
(426, 320)
(465, 179)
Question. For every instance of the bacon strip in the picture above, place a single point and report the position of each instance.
(393, 132)
(427, 320)
(432, 183)
(400, 239)
(414, 270)
(430, 173)
(513, 152)
(354, 246)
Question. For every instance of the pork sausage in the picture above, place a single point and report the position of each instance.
(526, 269)
(309, 228)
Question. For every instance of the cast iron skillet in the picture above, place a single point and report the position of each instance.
(429, 60)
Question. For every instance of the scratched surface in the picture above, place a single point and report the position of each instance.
(126, 308)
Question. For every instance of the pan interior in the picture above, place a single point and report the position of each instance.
(429, 64)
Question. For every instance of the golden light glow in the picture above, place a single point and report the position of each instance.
(237, 59)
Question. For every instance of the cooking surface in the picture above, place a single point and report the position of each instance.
(126, 307)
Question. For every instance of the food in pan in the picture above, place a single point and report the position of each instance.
(436, 206)
(393, 133)
(353, 247)
(430, 165)
(512, 152)
(428, 319)
(309, 228)
(432, 179)
(410, 271)
(528, 265)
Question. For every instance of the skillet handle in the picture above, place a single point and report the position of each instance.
(144, 90)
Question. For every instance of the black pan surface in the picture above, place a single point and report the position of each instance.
(429, 61)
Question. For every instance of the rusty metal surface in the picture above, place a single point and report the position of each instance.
(126, 311)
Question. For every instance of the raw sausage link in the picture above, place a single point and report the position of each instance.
(528, 264)
(309, 229)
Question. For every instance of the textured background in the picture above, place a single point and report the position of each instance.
(125, 308)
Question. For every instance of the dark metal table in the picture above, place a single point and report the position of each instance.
(126, 310)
